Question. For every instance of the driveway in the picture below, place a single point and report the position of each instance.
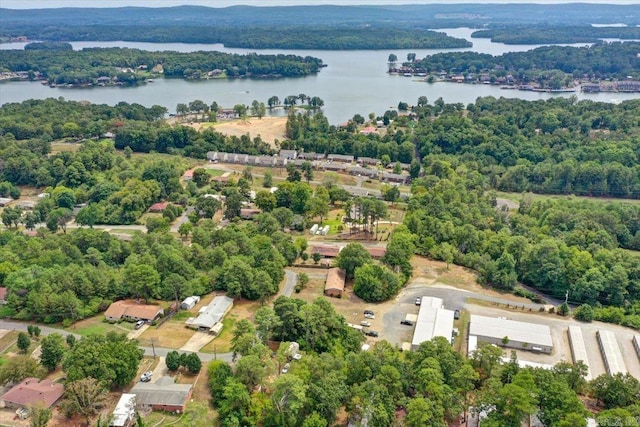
(160, 369)
(137, 332)
(197, 341)
(290, 284)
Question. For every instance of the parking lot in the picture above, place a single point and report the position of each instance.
(458, 299)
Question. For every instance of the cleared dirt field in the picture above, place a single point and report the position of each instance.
(268, 128)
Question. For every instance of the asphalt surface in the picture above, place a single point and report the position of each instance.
(289, 286)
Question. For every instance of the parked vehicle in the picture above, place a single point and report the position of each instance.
(456, 314)
(285, 368)
(368, 312)
(146, 377)
(370, 316)
(418, 301)
(406, 322)
(139, 324)
(371, 333)
(365, 323)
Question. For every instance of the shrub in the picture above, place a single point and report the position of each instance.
(584, 313)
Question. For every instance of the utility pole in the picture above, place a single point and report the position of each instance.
(153, 348)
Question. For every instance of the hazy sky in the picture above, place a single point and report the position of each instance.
(35, 4)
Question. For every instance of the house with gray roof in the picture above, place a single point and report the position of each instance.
(210, 315)
(162, 395)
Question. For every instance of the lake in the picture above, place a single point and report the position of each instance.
(353, 82)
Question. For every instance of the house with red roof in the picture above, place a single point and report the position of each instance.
(158, 207)
(31, 391)
(132, 311)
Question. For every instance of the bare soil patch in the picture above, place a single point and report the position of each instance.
(268, 128)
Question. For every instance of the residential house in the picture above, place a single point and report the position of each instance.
(369, 130)
(358, 192)
(158, 207)
(394, 177)
(124, 414)
(288, 154)
(335, 167)
(223, 179)
(340, 158)
(163, 395)
(327, 251)
(360, 171)
(311, 156)
(211, 315)
(188, 175)
(368, 161)
(130, 310)
(31, 391)
(334, 287)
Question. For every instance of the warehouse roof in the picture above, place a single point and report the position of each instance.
(163, 392)
(524, 332)
(433, 321)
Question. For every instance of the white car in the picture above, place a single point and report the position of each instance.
(370, 316)
(365, 323)
(286, 367)
(146, 377)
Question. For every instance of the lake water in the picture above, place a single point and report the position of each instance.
(353, 82)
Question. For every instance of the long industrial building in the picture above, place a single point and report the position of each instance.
(578, 349)
(433, 321)
(511, 333)
(636, 344)
(611, 352)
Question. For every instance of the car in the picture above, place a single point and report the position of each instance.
(139, 324)
(365, 323)
(418, 301)
(371, 333)
(406, 322)
(286, 367)
(146, 377)
(368, 312)
(370, 316)
(456, 314)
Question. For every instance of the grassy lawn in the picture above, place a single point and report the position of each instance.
(215, 172)
(59, 147)
(222, 343)
(97, 325)
(8, 339)
(463, 325)
(172, 334)
(196, 414)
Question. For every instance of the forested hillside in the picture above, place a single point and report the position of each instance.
(87, 65)
(545, 34)
(600, 61)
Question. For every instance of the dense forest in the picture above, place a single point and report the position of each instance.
(600, 61)
(87, 65)
(318, 37)
(544, 34)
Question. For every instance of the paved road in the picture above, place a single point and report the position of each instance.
(290, 285)
(148, 351)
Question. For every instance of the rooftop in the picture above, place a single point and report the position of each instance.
(335, 279)
(162, 392)
(31, 390)
(524, 332)
(132, 309)
(212, 313)
(433, 321)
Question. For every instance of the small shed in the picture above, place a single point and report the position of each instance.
(190, 302)
(125, 412)
(4, 201)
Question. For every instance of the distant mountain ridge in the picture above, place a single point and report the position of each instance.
(433, 15)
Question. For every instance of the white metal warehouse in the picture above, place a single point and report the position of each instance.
(636, 344)
(511, 333)
(433, 321)
(611, 352)
(578, 349)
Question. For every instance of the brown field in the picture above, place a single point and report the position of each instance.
(268, 128)
(172, 334)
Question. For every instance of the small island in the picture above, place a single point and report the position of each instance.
(123, 66)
